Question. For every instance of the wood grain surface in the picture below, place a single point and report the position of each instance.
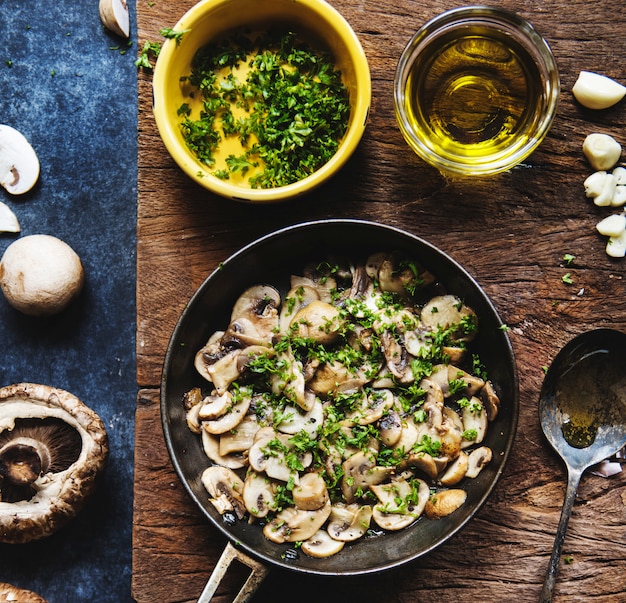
(510, 232)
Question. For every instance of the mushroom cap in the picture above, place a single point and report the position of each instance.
(58, 496)
(40, 275)
(13, 594)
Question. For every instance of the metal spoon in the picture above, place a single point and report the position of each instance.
(582, 408)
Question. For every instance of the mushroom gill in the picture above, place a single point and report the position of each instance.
(33, 448)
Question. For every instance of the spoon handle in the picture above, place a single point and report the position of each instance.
(573, 479)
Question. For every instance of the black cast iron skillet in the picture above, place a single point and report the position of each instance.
(271, 260)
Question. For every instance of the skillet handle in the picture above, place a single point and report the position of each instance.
(257, 575)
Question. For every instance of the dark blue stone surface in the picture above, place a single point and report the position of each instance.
(71, 88)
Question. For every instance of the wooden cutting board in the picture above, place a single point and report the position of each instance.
(510, 232)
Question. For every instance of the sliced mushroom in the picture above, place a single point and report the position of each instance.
(289, 382)
(399, 503)
(241, 438)
(215, 406)
(390, 428)
(295, 420)
(370, 407)
(449, 312)
(423, 463)
(296, 299)
(226, 490)
(321, 545)
(259, 494)
(19, 164)
(8, 220)
(231, 419)
(259, 304)
(269, 454)
(318, 321)
(478, 459)
(474, 418)
(398, 359)
(408, 437)
(310, 493)
(360, 473)
(456, 470)
(296, 525)
(464, 382)
(349, 522)
(490, 400)
(211, 447)
(63, 445)
(220, 370)
(329, 377)
(443, 503)
(115, 17)
(399, 276)
(192, 401)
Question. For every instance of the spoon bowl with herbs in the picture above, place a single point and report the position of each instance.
(261, 101)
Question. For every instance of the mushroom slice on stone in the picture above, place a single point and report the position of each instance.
(241, 438)
(115, 16)
(53, 448)
(400, 503)
(456, 470)
(449, 312)
(259, 494)
(10, 593)
(226, 490)
(232, 417)
(310, 493)
(321, 545)
(296, 299)
(318, 321)
(19, 164)
(296, 525)
(490, 400)
(349, 522)
(296, 420)
(211, 447)
(474, 418)
(8, 220)
(443, 503)
(478, 459)
(360, 473)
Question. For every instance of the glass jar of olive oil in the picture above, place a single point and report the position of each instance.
(476, 90)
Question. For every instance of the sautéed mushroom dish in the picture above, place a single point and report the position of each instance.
(352, 404)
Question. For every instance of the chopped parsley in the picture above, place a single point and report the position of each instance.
(282, 102)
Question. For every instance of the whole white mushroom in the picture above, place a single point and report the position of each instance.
(40, 275)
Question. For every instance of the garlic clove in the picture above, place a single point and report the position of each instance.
(601, 150)
(620, 175)
(593, 184)
(8, 220)
(596, 91)
(607, 192)
(115, 17)
(612, 226)
(19, 164)
(616, 247)
(619, 196)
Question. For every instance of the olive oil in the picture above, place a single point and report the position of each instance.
(475, 95)
(590, 395)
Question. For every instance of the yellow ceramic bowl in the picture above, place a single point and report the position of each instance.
(211, 20)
